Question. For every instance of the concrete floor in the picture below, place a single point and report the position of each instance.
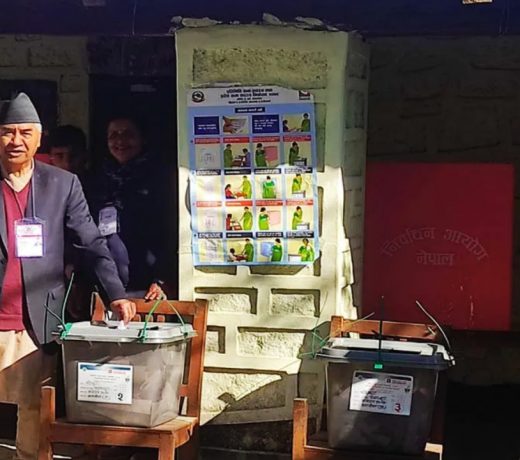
(68, 453)
(7, 450)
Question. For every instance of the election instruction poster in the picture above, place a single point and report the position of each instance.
(253, 181)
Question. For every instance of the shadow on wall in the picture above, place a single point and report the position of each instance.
(270, 393)
(261, 436)
(488, 414)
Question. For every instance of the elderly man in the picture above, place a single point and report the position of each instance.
(38, 205)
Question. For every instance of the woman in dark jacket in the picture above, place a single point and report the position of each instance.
(126, 196)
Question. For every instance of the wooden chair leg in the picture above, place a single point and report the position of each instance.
(47, 417)
(166, 448)
(190, 450)
(300, 421)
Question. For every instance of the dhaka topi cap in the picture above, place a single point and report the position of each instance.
(20, 109)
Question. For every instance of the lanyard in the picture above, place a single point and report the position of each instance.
(15, 194)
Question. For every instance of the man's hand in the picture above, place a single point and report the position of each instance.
(155, 292)
(124, 309)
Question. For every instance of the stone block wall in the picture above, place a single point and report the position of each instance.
(453, 100)
(444, 99)
(56, 59)
(261, 318)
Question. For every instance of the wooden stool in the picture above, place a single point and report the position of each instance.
(315, 447)
(182, 431)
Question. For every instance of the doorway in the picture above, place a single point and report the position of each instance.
(151, 101)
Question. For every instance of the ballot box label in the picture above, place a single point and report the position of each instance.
(106, 383)
(381, 393)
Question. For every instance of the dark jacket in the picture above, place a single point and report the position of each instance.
(139, 190)
(59, 201)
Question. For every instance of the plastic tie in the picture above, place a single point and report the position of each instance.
(65, 331)
(143, 334)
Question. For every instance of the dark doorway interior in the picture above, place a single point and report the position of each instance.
(149, 99)
(152, 102)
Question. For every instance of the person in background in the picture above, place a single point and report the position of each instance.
(246, 189)
(277, 251)
(232, 257)
(297, 218)
(306, 251)
(248, 251)
(228, 156)
(126, 195)
(229, 193)
(247, 219)
(294, 153)
(260, 159)
(269, 188)
(31, 275)
(68, 149)
(229, 218)
(297, 183)
(263, 220)
(306, 124)
(246, 158)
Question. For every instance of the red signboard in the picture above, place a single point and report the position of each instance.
(440, 234)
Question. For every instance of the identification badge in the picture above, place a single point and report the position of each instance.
(108, 221)
(29, 237)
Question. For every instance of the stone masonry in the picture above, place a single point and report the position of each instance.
(261, 317)
(56, 59)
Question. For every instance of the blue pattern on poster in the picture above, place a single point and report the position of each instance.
(253, 180)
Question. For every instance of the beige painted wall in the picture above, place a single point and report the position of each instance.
(260, 317)
(59, 59)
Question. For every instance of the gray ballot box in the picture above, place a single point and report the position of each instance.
(128, 377)
(381, 395)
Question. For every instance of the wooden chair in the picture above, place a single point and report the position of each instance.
(315, 447)
(182, 431)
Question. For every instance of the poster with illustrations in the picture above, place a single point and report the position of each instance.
(253, 176)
